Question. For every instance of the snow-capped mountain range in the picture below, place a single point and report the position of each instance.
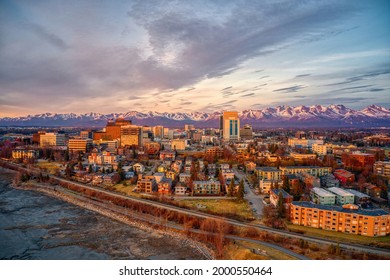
(280, 116)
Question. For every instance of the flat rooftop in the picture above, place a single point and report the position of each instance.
(302, 167)
(322, 192)
(360, 211)
(339, 191)
(357, 193)
(266, 168)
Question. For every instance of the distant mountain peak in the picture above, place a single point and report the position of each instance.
(334, 115)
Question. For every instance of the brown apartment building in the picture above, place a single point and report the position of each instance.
(349, 218)
(113, 130)
(147, 184)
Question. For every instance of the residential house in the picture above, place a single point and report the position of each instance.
(372, 190)
(309, 180)
(345, 177)
(250, 166)
(224, 166)
(180, 189)
(184, 178)
(164, 186)
(158, 176)
(171, 174)
(139, 168)
(228, 174)
(167, 155)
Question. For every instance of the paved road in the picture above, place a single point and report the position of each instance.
(349, 246)
(162, 221)
(254, 200)
(276, 247)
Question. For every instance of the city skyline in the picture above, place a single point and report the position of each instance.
(166, 56)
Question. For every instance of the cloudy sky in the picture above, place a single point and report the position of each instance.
(115, 56)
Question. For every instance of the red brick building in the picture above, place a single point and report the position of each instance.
(345, 177)
(358, 160)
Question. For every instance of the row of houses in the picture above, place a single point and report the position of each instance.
(162, 185)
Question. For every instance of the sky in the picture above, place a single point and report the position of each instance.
(186, 56)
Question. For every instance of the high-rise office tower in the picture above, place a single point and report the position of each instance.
(230, 126)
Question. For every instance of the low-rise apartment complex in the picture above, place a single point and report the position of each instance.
(350, 218)
(210, 187)
(342, 196)
(323, 197)
(312, 170)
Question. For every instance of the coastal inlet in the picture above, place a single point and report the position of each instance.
(35, 226)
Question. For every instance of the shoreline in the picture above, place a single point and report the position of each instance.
(201, 248)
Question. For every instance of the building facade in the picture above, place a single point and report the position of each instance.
(342, 196)
(345, 177)
(80, 145)
(246, 132)
(210, 187)
(349, 219)
(24, 153)
(382, 168)
(178, 144)
(230, 126)
(52, 139)
(312, 170)
(323, 197)
(268, 173)
(131, 135)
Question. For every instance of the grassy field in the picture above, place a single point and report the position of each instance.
(220, 206)
(238, 251)
(383, 241)
(51, 167)
(127, 190)
(271, 253)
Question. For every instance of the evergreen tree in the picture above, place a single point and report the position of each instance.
(280, 206)
(69, 170)
(66, 156)
(80, 166)
(231, 188)
(241, 190)
(384, 193)
(338, 249)
(120, 171)
(286, 185)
